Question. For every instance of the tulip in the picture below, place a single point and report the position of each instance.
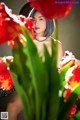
(52, 8)
(6, 81)
(10, 25)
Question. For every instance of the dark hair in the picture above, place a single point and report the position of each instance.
(25, 9)
(49, 23)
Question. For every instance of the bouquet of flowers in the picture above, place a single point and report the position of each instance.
(47, 93)
(71, 86)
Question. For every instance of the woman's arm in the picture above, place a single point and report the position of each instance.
(14, 107)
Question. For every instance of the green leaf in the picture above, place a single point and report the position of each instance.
(23, 81)
(24, 97)
(63, 74)
(38, 74)
(77, 116)
(54, 46)
(71, 118)
(19, 67)
(69, 103)
(53, 90)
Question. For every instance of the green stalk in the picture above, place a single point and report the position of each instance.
(56, 29)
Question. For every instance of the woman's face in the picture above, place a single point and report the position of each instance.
(39, 23)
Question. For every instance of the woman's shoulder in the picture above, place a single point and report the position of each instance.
(59, 42)
(53, 39)
(60, 49)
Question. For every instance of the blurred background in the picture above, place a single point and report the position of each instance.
(69, 28)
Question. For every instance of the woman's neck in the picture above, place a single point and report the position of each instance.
(39, 34)
(40, 37)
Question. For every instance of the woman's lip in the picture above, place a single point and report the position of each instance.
(37, 28)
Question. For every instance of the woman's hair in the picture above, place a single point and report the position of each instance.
(49, 23)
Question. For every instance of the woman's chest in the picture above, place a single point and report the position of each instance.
(40, 46)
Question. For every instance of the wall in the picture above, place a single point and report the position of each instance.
(69, 31)
(69, 28)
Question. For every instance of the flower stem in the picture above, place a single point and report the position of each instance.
(56, 30)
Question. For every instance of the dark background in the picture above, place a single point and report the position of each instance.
(69, 28)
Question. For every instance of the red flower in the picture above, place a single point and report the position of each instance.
(76, 73)
(10, 25)
(75, 78)
(28, 22)
(52, 8)
(72, 82)
(72, 111)
(67, 93)
(6, 81)
(68, 57)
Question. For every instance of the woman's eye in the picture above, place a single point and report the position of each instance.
(40, 19)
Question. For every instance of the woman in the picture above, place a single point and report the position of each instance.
(43, 29)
